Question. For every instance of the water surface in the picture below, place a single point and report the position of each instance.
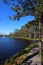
(9, 46)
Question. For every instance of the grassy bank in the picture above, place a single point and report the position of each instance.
(26, 38)
(20, 56)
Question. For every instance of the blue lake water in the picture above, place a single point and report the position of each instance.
(9, 46)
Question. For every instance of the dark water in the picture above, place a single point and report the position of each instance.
(9, 46)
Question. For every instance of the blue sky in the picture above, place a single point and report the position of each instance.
(6, 25)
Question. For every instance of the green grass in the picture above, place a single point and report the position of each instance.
(22, 53)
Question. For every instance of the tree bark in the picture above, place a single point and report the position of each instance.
(42, 42)
(40, 39)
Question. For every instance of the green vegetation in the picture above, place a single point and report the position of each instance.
(29, 31)
(26, 8)
(20, 56)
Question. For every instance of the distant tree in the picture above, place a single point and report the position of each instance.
(16, 30)
(26, 8)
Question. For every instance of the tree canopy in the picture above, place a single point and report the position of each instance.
(25, 7)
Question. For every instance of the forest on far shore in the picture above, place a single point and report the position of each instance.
(29, 30)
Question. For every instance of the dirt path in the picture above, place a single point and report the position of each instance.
(35, 60)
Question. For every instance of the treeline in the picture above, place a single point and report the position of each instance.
(29, 30)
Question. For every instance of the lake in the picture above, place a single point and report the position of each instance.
(9, 46)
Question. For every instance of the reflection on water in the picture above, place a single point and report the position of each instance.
(9, 46)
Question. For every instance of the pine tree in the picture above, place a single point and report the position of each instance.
(26, 8)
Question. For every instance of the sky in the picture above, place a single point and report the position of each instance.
(8, 26)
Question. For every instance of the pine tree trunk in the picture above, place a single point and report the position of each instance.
(40, 37)
(40, 40)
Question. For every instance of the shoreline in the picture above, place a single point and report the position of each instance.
(25, 38)
(21, 55)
